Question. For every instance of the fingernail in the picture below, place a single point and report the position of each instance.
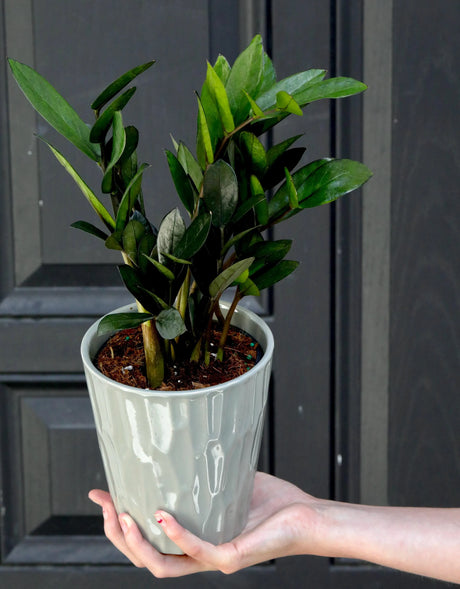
(104, 513)
(124, 523)
(159, 516)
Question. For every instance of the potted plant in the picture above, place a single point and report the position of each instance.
(164, 447)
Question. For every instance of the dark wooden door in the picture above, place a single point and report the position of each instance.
(364, 403)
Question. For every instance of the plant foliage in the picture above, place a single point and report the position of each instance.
(233, 191)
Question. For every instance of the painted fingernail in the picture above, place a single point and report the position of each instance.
(159, 516)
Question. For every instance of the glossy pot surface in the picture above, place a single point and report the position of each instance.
(191, 453)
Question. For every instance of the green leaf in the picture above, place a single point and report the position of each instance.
(246, 206)
(274, 274)
(277, 150)
(170, 324)
(119, 321)
(129, 198)
(255, 152)
(292, 192)
(268, 76)
(170, 233)
(245, 74)
(249, 288)
(132, 140)
(291, 85)
(194, 237)
(330, 88)
(217, 89)
(288, 159)
(279, 204)
(118, 146)
(102, 124)
(190, 165)
(222, 68)
(220, 192)
(118, 85)
(113, 242)
(261, 207)
(234, 240)
(99, 208)
(89, 228)
(287, 103)
(336, 178)
(133, 280)
(269, 252)
(227, 277)
(161, 268)
(177, 260)
(181, 182)
(257, 111)
(204, 148)
(132, 234)
(53, 108)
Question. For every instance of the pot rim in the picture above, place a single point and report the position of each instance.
(266, 358)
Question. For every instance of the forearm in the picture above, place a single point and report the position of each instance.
(424, 541)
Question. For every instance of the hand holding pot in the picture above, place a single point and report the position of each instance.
(281, 518)
(285, 521)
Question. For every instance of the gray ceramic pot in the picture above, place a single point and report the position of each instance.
(191, 453)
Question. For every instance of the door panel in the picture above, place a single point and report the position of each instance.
(363, 402)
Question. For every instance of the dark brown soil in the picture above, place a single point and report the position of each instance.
(122, 359)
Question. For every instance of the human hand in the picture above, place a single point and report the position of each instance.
(281, 519)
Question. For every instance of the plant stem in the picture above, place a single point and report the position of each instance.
(223, 338)
(154, 361)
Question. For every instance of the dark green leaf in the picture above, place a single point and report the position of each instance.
(161, 268)
(118, 146)
(292, 192)
(279, 204)
(129, 198)
(268, 76)
(113, 242)
(99, 208)
(246, 74)
(118, 85)
(194, 237)
(261, 208)
(220, 192)
(170, 324)
(89, 228)
(170, 233)
(53, 108)
(274, 274)
(255, 151)
(227, 277)
(246, 206)
(330, 88)
(117, 321)
(329, 182)
(190, 165)
(291, 85)
(289, 159)
(277, 150)
(181, 182)
(132, 140)
(270, 251)
(102, 124)
(132, 235)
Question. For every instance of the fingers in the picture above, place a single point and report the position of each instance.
(224, 557)
(112, 527)
(123, 532)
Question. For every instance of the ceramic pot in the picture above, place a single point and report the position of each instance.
(191, 453)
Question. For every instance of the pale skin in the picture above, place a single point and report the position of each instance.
(285, 521)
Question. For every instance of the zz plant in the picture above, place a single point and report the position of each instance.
(233, 191)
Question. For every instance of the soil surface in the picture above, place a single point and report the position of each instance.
(122, 359)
